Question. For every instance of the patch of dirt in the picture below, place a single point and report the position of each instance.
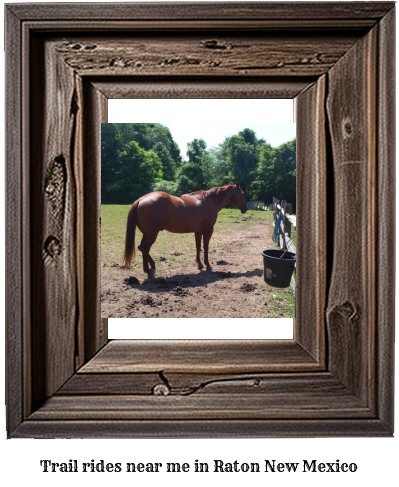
(147, 301)
(248, 288)
(132, 281)
(180, 290)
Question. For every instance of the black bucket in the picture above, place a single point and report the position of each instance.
(278, 267)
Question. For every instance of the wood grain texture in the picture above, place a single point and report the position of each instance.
(312, 215)
(185, 384)
(53, 214)
(241, 54)
(15, 257)
(202, 407)
(94, 331)
(385, 270)
(298, 24)
(65, 61)
(273, 428)
(256, 397)
(351, 307)
(111, 384)
(208, 11)
(176, 87)
(200, 356)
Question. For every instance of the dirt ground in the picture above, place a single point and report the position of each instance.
(233, 288)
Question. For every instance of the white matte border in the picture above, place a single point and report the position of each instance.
(201, 328)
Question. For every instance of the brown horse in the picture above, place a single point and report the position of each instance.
(195, 212)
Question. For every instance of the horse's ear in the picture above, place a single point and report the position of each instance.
(237, 185)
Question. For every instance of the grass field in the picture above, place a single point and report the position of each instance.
(237, 240)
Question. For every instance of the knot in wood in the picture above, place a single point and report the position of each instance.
(349, 310)
(55, 182)
(213, 44)
(50, 189)
(347, 128)
(52, 246)
(90, 47)
(161, 390)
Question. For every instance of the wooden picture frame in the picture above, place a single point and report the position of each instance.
(64, 378)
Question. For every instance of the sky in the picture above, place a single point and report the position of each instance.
(209, 119)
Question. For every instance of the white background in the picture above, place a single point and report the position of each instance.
(377, 458)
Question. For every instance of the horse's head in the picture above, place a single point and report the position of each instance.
(238, 199)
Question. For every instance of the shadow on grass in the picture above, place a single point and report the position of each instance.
(199, 279)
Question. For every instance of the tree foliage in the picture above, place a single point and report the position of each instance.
(135, 157)
(139, 158)
(276, 173)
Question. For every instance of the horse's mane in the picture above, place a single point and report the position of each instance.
(204, 193)
(217, 189)
(200, 192)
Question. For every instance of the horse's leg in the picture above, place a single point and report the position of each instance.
(207, 236)
(145, 246)
(152, 263)
(198, 237)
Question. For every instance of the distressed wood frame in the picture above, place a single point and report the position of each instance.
(64, 379)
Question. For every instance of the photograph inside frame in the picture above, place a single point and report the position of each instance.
(198, 220)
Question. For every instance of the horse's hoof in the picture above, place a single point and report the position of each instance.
(208, 267)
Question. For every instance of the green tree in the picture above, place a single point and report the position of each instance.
(169, 187)
(286, 174)
(190, 178)
(110, 166)
(220, 169)
(121, 160)
(262, 186)
(158, 136)
(242, 158)
(168, 164)
(207, 166)
(276, 173)
(139, 169)
(249, 136)
(195, 150)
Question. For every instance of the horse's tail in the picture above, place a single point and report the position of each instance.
(129, 253)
